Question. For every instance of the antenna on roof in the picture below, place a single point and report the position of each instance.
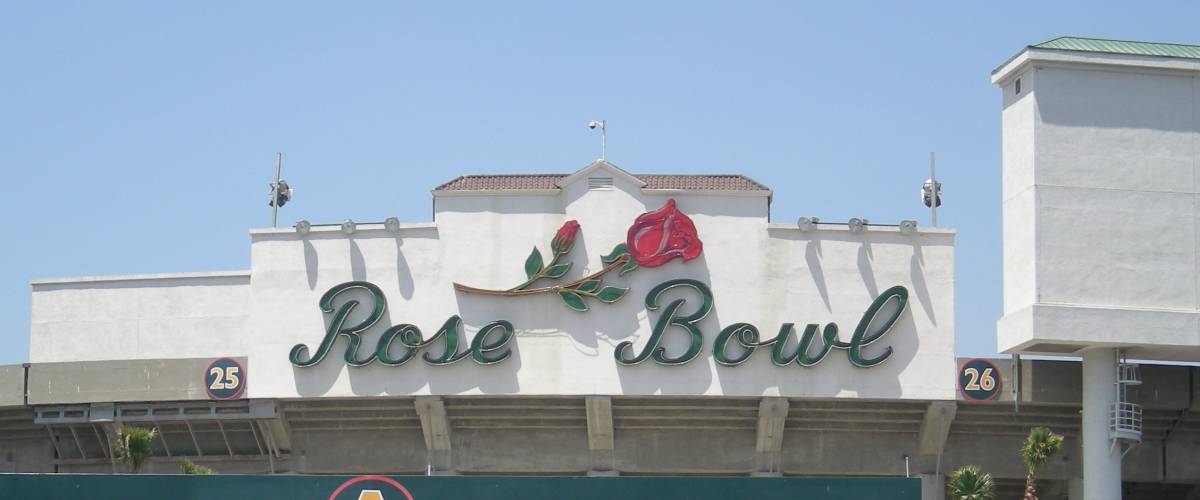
(603, 124)
(931, 191)
(280, 192)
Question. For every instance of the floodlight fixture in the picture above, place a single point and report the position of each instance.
(348, 227)
(302, 227)
(908, 226)
(857, 225)
(392, 225)
(281, 193)
(928, 195)
(807, 224)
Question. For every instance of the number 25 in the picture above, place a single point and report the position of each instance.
(224, 378)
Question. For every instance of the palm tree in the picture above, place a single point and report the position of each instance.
(133, 446)
(970, 483)
(1040, 446)
(187, 467)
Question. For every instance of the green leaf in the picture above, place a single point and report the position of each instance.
(617, 252)
(558, 270)
(588, 286)
(629, 266)
(533, 264)
(573, 300)
(611, 294)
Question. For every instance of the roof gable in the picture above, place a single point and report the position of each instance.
(552, 183)
(586, 171)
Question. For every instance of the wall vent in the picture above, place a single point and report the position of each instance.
(600, 183)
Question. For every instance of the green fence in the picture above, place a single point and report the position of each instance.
(146, 486)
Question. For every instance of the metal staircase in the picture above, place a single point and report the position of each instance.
(1125, 418)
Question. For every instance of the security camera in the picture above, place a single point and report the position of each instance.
(593, 124)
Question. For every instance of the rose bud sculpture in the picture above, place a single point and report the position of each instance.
(664, 234)
(565, 238)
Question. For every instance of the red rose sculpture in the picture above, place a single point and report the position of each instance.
(565, 238)
(655, 238)
(664, 234)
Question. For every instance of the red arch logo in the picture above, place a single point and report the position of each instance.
(383, 479)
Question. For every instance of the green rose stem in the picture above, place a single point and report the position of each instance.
(534, 291)
(542, 273)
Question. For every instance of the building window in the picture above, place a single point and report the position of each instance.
(1017, 87)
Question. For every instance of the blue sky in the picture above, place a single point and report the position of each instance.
(139, 137)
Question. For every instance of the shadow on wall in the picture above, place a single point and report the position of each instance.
(358, 271)
(311, 264)
(812, 257)
(835, 375)
(916, 269)
(864, 268)
(404, 278)
(358, 265)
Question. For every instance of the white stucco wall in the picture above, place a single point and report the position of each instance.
(760, 273)
(1019, 115)
(139, 317)
(1101, 178)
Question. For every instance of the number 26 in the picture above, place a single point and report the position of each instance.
(984, 381)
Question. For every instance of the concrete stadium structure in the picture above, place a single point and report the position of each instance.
(663, 325)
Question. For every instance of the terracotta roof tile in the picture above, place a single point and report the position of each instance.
(702, 182)
(695, 182)
(501, 182)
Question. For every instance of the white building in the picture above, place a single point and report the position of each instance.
(1101, 178)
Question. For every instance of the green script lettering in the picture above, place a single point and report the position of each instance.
(668, 318)
(864, 335)
(487, 347)
(337, 325)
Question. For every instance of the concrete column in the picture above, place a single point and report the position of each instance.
(435, 427)
(1101, 462)
(935, 429)
(933, 487)
(600, 435)
(1075, 489)
(772, 414)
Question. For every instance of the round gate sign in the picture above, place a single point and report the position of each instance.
(979, 380)
(371, 488)
(224, 379)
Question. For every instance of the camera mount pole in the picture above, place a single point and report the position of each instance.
(275, 191)
(603, 137)
(935, 197)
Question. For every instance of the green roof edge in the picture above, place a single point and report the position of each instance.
(1147, 52)
(1176, 44)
